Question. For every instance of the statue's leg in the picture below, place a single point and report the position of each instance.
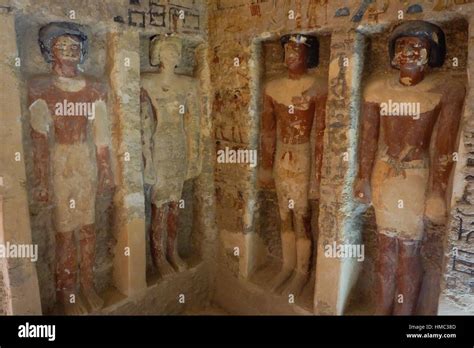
(303, 252)
(287, 233)
(299, 186)
(432, 253)
(409, 276)
(385, 269)
(429, 294)
(292, 173)
(398, 198)
(66, 221)
(410, 234)
(172, 240)
(432, 257)
(66, 274)
(88, 243)
(156, 238)
(288, 248)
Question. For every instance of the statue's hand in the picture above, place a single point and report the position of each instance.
(362, 191)
(265, 179)
(435, 209)
(41, 194)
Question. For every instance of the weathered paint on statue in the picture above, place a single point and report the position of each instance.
(293, 105)
(70, 134)
(170, 114)
(410, 123)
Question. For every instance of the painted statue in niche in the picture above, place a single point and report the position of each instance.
(170, 115)
(71, 158)
(294, 104)
(410, 122)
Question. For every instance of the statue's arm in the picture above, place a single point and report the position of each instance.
(368, 143)
(40, 125)
(267, 141)
(444, 144)
(102, 142)
(148, 126)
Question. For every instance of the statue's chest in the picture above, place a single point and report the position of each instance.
(169, 106)
(292, 96)
(71, 112)
(301, 102)
(70, 123)
(403, 101)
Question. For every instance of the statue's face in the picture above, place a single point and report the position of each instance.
(411, 51)
(167, 53)
(295, 55)
(67, 49)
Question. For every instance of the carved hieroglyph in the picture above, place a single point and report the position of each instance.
(409, 130)
(293, 105)
(70, 136)
(170, 112)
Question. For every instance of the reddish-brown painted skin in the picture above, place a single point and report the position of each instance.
(156, 235)
(87, 237)
(66, 266)
(172, 228)
(385, 271)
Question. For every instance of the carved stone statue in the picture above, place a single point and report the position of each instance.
(293, 105)
(409, 129)
(70, 137)
(170, 115)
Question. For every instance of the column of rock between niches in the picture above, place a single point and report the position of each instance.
(129, 225)
(456, 281)
(21, 277)
(205, 188)
(335, 276)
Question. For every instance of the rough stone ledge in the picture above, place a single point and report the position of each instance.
(161, 297)
(241, 297)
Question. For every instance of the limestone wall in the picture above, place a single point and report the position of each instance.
(247, 217)
(228, 230)
(118, 31)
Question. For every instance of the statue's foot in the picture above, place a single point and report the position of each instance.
(280, 279)
(164, 267)
(296, 284)
(95, 301)
(178, 263)
(76, 308)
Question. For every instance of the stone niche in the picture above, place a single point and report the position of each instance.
(269, 252)
(434, 247)
(190, 66)
(42, 229)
